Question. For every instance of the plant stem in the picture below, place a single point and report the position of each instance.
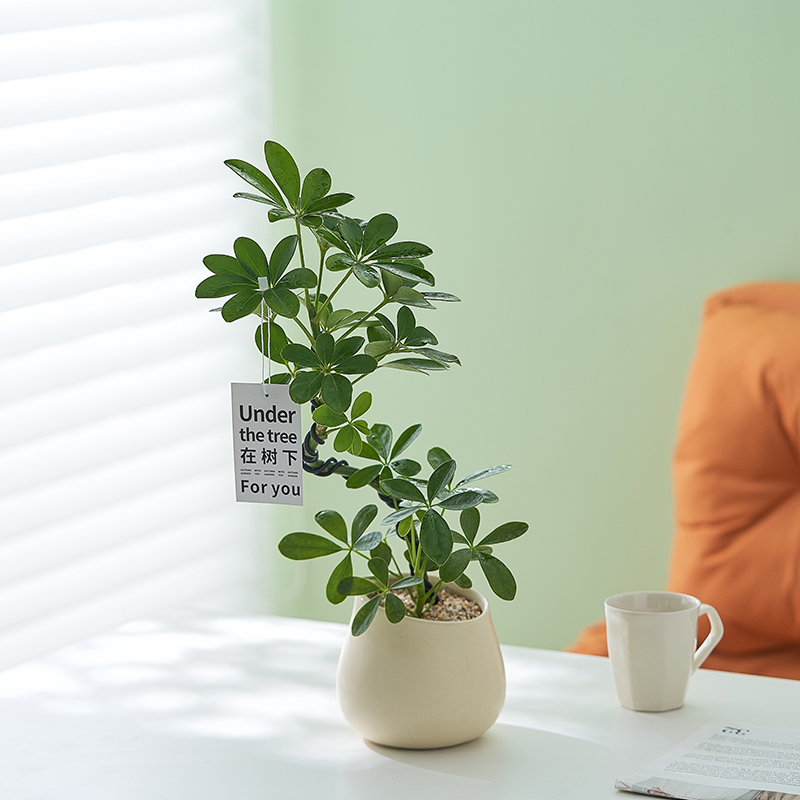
(303, 265)
(305, 330)
(366, 316)
(332, 294)
(319, 277)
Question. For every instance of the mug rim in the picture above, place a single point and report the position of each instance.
(693, 602)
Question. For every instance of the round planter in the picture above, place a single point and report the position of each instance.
(422, 684)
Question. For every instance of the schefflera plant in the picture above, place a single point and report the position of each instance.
(322, 351)
(420, 522)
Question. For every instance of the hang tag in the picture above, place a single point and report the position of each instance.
(267, 444)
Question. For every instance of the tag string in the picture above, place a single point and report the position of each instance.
(266, 361)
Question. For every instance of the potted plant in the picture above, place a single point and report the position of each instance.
(419, 555)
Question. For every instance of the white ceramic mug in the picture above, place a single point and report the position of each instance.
(652, 644)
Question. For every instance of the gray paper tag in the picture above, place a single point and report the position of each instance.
(267, 444)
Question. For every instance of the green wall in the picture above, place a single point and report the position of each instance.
(586, 173)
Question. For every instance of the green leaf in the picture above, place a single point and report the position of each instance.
(276, 214)
(333, 522)
(357, 586)
(470, 520)
(352, 234)
(420, 336)
(330, 419)
(454, 567)
(240, 305)
(315, 185)
(435, 537)
(406, 322)
(378, 231)
(250, 255)
(387, 323)
(222, 285)
(376, 333)
(368, 451)
(439, 479)
(400, 514)
(329, 203)
(363, 618)
(499, 576)
(357, 365)
(282, 377)
(346, 348)
(367, 275)
(405, 439)
(404, 250)
(416, 365)
(255, 177)
(438, 355)
(312, 221)
(324, 347)
(257, 198)
(343, 440)
(303, 546)
(378, 349)
(416, 274)
(222, 265)
(391, 283)
(410, 297)
(407, 527)
(461, 500)
(298, 279)
(464, 582)
(336, 318)
(381, 439)
(301, 355)
(380, 569)
(381, 550)
(284, 170)
(360, 425)
(406, 467)
(344, 569)
(488, 496)
(363, 476)
(442, 297)
(362, 521)
(484, 473)
(505, 533)
(337, 262)
(282, 301)
(331, 237)
(357, 443)
(337, 392)
(305, 386)
(437, 456)
(274, 334)
(368, 541)
(395, 608)
(405, 583)
(402, 489)
(281, 257)
(361, 405)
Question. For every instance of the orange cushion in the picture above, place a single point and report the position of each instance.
(736, 473)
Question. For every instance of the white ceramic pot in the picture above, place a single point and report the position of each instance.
(422, 684)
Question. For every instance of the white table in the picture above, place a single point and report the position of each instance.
(195, 707)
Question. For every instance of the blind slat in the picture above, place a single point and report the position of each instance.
(66, 274)
(78, 48)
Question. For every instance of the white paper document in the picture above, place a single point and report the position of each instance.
(725, 762)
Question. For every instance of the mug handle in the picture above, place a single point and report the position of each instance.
(712, 640)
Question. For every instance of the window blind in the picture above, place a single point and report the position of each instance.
(115, 457)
